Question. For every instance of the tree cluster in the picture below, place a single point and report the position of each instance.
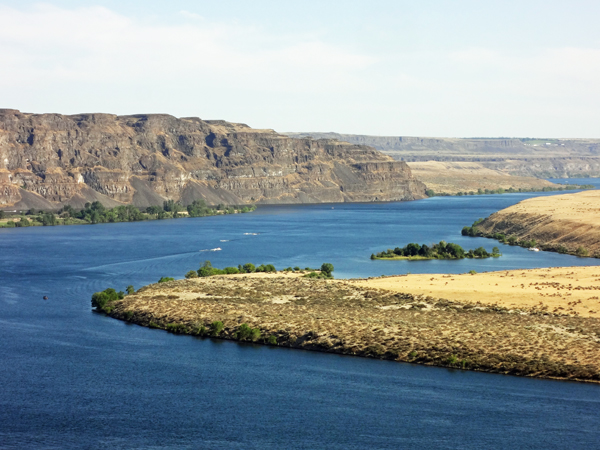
(207, 270)
(442, 250)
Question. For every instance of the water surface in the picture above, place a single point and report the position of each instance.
(75, 379)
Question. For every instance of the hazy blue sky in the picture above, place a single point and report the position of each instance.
(426, 68)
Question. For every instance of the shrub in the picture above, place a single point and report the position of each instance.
(296, 269)
(130, 289)
(472, 272)
(312, 275)
(246, 333)
(128, 315)
(177, 328)
(191, 274)
(231, 270)
(166, 279)
(272, 340)
(216, 327)
(581, 251)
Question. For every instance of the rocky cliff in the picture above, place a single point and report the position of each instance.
(544, 158)
(50, 159)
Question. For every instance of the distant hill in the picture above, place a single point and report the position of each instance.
(543, 158)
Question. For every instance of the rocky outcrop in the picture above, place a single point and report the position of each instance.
(144, 159)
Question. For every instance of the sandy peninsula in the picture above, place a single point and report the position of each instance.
(417, 319)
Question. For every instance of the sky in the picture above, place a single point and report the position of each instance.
(401, 68)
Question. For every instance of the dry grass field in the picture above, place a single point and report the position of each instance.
(570, 221)
(454, 177)
(368, 318)
(561, 290)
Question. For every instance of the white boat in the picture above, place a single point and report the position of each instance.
(534, 249)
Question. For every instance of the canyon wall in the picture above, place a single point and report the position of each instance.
(47, 160)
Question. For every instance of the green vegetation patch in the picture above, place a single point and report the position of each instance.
(442, 250)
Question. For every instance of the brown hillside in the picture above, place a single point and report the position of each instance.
(569, 220)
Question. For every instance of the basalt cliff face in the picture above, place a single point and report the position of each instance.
(50, 159)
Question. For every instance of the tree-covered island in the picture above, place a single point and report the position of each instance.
(442, 250)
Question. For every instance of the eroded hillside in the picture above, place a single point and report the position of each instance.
(53, 159)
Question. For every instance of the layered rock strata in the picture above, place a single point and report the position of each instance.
(144, 159)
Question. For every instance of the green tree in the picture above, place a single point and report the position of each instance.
(249, 268)
(130, 289)
(154, 210)
(102, 300)
(172, 206)
(206, 269)
(327, 269)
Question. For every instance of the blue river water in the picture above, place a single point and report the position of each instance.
(71, 378)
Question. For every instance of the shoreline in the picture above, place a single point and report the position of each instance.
(358, 318)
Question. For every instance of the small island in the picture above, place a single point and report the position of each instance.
(442, 250)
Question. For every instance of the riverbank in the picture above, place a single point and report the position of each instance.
(95, 213)
(361, 318)
(567, 223)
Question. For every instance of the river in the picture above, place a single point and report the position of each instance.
(72, 378)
